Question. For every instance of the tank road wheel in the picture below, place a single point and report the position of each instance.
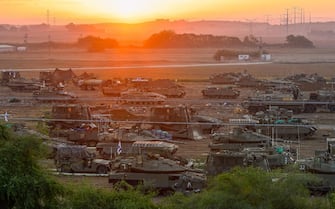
(102, 169)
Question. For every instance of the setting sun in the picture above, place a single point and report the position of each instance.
(123, 10)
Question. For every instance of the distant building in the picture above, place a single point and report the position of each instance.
(266, 57)
(7, 48)
(21, 49)
(243, 57)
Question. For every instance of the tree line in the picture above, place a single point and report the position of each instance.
(170, 39)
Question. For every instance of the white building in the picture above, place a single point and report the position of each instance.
(243, 57)
(7, 48)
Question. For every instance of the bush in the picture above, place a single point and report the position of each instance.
(250, 188)
(23, 183)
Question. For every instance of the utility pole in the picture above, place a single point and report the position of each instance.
(286, 22)
(294, 15)
(251, 26)
(48, 17)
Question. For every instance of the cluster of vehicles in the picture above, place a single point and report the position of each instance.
(147, 139)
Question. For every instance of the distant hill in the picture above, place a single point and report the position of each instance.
(321, 33)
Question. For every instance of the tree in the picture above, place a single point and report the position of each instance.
(169, 39)
(97, 44)
(299, 41)
(92, 198)
(250, 188)
(23, 183)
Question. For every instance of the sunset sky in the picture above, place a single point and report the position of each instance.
(134, 11)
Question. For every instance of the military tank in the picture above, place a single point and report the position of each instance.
(220, 93)
(50, 95)
(136, 97)
(23, 85)
(246, 148)
(282, 124)
(323, 166)
(157, 172)
(236, 138)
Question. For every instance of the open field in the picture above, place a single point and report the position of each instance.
(161, 63)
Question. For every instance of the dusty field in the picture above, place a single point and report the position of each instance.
(155, 63)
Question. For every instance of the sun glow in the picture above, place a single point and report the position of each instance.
(124, 10)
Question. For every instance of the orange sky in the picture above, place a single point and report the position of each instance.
(132, 11)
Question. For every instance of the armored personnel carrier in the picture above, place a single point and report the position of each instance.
(220, 93)
(156, 172)
(141, 97)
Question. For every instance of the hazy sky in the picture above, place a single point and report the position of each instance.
(132, 11)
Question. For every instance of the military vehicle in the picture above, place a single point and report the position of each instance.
(172, 92)
(109, 150)
(158, 173)
(89, 84)
(166, 87)
(323, 166)
(113, 87)
(51, 95)
(77, 159)
(323, 95)
(281, 124)
(224, 78)
(133, 96)
(114, 91)
(67, 116)
(7, 76)
(175, 120)
(85, 134)
(239, 137)
(316, 101)
(246, 148)
(220, 93)
(265, 158)
(23, 85)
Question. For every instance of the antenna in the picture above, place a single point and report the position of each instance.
(48, 17)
